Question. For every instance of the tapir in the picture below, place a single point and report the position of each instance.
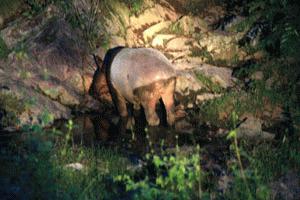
(140, 76)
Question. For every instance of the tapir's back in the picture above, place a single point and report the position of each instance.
(136, 67)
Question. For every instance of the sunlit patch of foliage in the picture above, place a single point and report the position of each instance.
(175, 177)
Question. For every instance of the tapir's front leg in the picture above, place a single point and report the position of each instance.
(149, 96)
(149, 108)
(168, 99)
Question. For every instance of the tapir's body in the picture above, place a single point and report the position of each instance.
(140, 76)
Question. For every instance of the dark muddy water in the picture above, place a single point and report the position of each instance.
(110, 132)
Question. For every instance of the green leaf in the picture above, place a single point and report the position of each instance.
(231, 134)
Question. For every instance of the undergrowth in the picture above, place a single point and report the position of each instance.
(42, 157)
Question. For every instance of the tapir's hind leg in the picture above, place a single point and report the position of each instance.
(168, 99)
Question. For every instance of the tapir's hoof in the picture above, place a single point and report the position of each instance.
(171, 119)
(130, 123)
(153, 122)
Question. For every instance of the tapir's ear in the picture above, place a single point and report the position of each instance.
(97, 60)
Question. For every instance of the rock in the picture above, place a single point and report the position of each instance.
(270, 83)
(224, 183)
(35, 103)
(131, 38)
(287, 187)
(9, 10)
(100, 52)
(152, 30)
(65, 98)
(48, 76)
(116, 41)
(258, 75)
(179, 44)
(167, 12)
(24, 27)
(184, 126)
(151, 16)
(75, 166)
(178, 57)
(219, 75)
(222, 47)
(252, 128)
(213, 14)
(1, 21)
(89, 103)
(160, 39)
(206, 96)
(191, 25)
(186, 81)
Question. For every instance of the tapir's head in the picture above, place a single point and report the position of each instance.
(99, 87)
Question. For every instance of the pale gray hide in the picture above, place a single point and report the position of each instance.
(133, 68)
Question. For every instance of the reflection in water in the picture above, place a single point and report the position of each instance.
(90, 130)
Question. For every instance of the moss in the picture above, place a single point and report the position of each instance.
(10, 108)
